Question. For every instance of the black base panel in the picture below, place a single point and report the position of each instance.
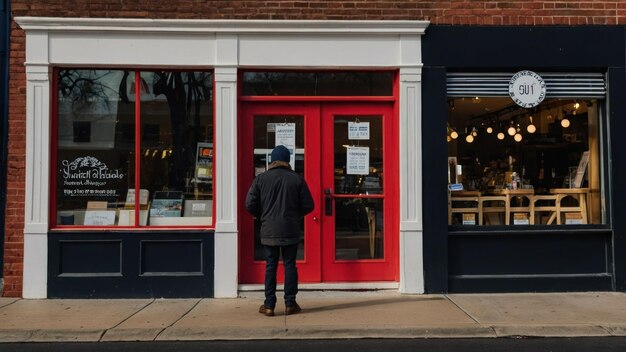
(131, 264)
(530, 284)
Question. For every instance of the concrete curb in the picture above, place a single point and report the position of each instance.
(550, 331)
(325, 332)
(49, 335)
(308, 332)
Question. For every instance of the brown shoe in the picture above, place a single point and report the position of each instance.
(267, 311)
(293, 309)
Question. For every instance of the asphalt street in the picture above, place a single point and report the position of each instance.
(589, 344)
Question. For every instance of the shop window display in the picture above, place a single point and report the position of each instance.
(120, 133)
(510, 165)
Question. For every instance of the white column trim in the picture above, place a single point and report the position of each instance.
(36, 203)
(226, 236)
(411, 207)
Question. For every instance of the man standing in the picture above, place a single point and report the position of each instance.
(279, 198)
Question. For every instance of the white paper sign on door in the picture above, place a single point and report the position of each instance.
(358, 161)
(359, 130)
(286, 135)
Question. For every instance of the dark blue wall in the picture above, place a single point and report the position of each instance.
(4, 86)
(122, 264)
(535, 258)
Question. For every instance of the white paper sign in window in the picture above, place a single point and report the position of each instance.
(358, 161)
(359, 130)
(286, 135)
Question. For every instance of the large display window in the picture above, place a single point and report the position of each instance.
(123, 133)
(511, 165)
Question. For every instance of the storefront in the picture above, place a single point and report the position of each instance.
(183, 113)
(523, 173)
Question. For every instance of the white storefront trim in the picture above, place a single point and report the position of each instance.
(226, 46)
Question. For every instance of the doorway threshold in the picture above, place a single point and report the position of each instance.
(338, 286)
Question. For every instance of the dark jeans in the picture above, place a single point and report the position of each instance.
(272, 254)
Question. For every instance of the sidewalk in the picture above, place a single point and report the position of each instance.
(325, 315)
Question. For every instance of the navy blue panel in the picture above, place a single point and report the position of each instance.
(549, 47)
(161, 257)
(103, 257)
(531, 284)
(435, 156)
(538, 253)
(186, 269)
(617, 112)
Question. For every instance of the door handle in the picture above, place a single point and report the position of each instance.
(328, 202)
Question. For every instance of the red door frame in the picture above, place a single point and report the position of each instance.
(252, 271)
(385, 269)
(319, 264)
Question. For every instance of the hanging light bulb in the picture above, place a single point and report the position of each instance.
(489, 130)
(565, 122)
(474, 132)
(576, 105)
(454, 134)
(500, 136)
(469, 138)
(448, 138)
(531, 128)
(517, 137)
(511, 131)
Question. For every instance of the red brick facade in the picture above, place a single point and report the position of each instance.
(459, 12)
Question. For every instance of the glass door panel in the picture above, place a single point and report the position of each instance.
(265, 138)
(358, 171)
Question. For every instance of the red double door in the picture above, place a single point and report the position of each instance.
(347, 153)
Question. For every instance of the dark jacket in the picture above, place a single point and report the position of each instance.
(279, 198)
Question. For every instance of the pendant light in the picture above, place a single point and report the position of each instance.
(500, 135)
(517, 137)
(489, 130)
(512, 130)
(531, 128)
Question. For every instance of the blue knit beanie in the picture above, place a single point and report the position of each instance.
(280, 153)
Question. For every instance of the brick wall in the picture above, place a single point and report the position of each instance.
(460, 12)
(14, 220)
(512, 12)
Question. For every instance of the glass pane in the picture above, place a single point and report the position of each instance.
(318, 84)
(176, 157)
(358, 158)
(358, 228)
(95, 145)
(542, 164)
(366, 154)
(290, 131)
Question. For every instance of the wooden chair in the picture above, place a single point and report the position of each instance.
(462, 199)
(580, 195)
(490, 205)
(512, 207)
(545, 204)
(518, 196)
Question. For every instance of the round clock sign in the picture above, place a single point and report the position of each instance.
(527, 89)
